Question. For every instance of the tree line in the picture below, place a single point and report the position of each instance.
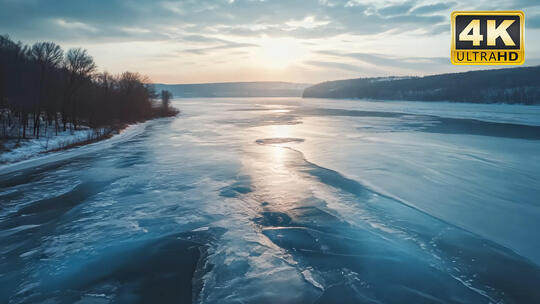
(41, 86)
(510, 85)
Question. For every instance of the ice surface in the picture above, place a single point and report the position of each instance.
(283, 200)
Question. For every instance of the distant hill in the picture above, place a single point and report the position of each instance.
(235, 89)
(510, 85)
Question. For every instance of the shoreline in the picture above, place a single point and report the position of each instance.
(38, 159)
(30, 148)
(74, 141)
(99, 137)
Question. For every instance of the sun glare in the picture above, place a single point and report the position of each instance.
(280, 52)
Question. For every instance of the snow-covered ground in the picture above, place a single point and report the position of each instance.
(17, 150)
(39, 159)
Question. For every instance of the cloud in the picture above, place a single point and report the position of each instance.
(138, 19)
(395, 9)
(333, 65)
(225, 46)
(307, 19)
(430, 8)
(75, 25)
(207, 44)
(384, 61)
(533, 21)
(214, 29)
(308, 22)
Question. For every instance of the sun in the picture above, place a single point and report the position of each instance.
(280, 53)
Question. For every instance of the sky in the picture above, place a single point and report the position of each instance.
(308, 41)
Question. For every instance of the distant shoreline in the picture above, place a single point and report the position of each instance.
(234, 89)
(509, 86)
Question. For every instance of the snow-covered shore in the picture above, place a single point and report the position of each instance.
(32, 152)
(16, 150)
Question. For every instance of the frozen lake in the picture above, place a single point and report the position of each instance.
(283, 200)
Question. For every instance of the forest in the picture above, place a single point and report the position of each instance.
(44, 87)
(510, 85)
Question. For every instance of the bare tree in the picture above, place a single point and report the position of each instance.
(79, 63)
(48, 57)
(79, 66)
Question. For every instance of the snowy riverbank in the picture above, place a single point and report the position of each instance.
(38, 158)
(16, 150)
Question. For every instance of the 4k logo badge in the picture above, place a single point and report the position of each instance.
(487, 37)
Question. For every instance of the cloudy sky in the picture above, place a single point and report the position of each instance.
(308, 41)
